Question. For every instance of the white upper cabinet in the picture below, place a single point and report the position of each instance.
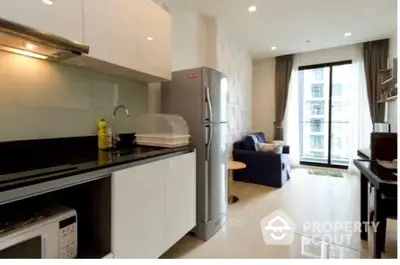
(153, 38)
(60, 17)
(109, 30)
(127, 38)
(132, 34)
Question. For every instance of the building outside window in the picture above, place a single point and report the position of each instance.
(316, 125)
(318, 74)
(337, 111)
(317, 107)
(316, 154)
(317, 90)
(337, 142)
(336, 89)
(317, 141)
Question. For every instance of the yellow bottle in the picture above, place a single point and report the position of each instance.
(102, 134)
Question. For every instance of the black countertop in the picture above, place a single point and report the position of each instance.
(25, 163)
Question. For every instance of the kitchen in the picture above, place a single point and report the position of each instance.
(72, 199)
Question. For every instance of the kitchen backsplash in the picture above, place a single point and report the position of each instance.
(39, 99)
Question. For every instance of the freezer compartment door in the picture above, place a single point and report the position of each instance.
(216, 168)
(215, 96)
(184, 96)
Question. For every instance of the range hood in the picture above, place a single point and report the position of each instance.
(31, 42)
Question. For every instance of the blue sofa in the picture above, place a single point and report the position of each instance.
(264, 168)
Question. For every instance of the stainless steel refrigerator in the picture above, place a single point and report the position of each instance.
(200, 95)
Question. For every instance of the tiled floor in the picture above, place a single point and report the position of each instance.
(305, 198)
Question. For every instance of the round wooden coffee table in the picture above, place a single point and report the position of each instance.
(233, 165)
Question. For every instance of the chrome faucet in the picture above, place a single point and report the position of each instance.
(115, 137)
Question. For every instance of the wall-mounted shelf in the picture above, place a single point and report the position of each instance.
(389, 99)
(385, 71)
(388, 79)
(393, 98)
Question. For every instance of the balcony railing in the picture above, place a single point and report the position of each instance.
(312, 151)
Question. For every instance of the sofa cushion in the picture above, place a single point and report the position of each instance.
(250, 143)
(280, 145)
(269, 147)
(260, 137)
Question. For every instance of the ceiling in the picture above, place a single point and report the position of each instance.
(289, 24)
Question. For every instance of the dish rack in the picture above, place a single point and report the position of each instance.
(162, 130)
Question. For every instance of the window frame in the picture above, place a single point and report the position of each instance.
(329, 65)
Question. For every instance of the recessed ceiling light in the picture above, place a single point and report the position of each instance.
(47, 2)
(150, 38)
(273, 48)
(252, 9)
(30, 46)
(347, 34)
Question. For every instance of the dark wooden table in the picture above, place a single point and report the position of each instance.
(385, 184)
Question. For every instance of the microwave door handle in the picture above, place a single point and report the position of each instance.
(209, 107)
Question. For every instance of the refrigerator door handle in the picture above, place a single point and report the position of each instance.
(209, 140)
(208, 99)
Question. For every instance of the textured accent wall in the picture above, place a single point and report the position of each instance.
(200, 40)
(39, 99)
(235, 62)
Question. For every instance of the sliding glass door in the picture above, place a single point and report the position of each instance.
(314, 116)
(324, 126)
(340, 115)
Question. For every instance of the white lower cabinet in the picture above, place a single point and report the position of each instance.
(180, 198)
(138, 211)
(153, 206)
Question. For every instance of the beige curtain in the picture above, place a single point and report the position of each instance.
(283, 71)
(375, 55)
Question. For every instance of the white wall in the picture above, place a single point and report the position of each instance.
(191, 48)
(392, 106)
(48, 100)
(154, 98)
(199, 40)
(193, 40)
(185, 39)
(328, 55)
(264, 96)
(235, 62)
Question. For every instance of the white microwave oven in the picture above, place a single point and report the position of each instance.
(51, 233)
